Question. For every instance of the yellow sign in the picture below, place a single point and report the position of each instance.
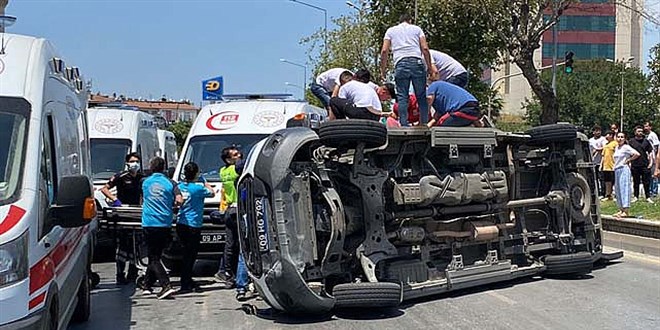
(212, 85)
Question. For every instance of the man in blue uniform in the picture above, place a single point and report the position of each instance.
(453, 105)
(160, 195)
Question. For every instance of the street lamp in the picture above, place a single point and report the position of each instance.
(625, 63)
(299, 65)
(325, 21)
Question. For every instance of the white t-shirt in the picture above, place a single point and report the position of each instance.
(653, 138)
(330, 78)
(405, 41)
(597, 144)
(447, 66)
(373, 85)
(621, 155)
(361, 94)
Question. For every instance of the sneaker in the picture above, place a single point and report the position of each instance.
(147, 291)
(225, 279)
(650, 201)
(244, 295)
(167, 291)
(633, 200)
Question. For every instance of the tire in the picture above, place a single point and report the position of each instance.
(350, 132)
(580, 196)
(367, 295)
(84, 305)
(51, 319)
(547, 134)
(568, 264)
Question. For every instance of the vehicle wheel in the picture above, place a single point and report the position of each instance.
(546, 134)
(568, 264)
(51, 319)
(367, 295)
(580, 196)
(349, 132)
(83, 307)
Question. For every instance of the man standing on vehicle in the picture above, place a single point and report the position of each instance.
(189, 222)
(129, 192)
(449, 69)
(160, 195)
(229, 173)
(410, 51)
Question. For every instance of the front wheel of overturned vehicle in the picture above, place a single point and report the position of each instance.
(367, 295)
(546, 134)
(349, 132)
(568, 264)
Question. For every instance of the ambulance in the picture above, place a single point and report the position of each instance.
(46, 202)
(241, 121)
(167, 148)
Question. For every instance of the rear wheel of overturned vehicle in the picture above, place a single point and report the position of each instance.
(349, 132)
(568, 264)
(83, 307)
(546, 134)
(367, 295)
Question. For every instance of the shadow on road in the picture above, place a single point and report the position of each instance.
(111, 307)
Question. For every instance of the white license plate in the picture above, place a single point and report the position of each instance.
(212, 238)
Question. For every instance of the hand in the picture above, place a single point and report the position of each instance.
(116, 203)
(657, 173)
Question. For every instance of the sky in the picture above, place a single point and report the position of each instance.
(150, 48)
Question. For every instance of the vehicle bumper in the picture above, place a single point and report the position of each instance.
(14, 306)
(32, 321)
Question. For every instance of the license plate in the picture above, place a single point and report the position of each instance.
(212, 238)
(261, 210)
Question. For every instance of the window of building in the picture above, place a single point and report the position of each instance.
(581, 51)
(586, 23)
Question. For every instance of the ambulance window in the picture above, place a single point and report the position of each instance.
(48, 173)
(14, 120)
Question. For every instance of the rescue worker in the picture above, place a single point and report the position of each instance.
(129, 192)
(453, 105)
(189, 222)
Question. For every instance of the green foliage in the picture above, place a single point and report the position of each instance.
(592, 95)
(180, 130)
(654, 69)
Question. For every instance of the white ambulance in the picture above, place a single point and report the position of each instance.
(46, 203)
(241, 121)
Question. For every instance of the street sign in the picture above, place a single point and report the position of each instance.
(212, 89)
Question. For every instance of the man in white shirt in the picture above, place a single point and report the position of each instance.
(324, 84)
(410, 52)
(596, 144)
(449, 69)
(655, 143)
(356, 100)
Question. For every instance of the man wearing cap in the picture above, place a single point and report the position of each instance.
(410, 52)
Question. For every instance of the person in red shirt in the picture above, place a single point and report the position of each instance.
(413, 110)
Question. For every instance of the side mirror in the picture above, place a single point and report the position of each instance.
(75, 206)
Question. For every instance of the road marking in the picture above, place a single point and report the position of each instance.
(502, 298)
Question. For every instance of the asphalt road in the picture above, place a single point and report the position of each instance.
(622, 295)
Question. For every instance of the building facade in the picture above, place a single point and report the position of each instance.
(591, 29)
(170, 110)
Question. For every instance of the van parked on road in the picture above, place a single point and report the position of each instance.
(46, 202)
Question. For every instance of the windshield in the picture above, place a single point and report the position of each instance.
(205, 151)
(13, 139)
(108, 157)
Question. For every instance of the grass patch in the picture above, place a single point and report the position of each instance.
(640, 208)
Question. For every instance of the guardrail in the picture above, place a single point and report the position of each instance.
(637, 227)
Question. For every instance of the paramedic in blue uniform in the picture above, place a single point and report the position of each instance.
(161, 194)
(129, 192)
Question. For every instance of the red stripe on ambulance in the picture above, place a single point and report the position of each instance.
(13, 216)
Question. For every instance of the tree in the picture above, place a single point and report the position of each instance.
(180, 130)
(592, 95)
(654, 69)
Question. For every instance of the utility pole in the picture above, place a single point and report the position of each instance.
(554, 58)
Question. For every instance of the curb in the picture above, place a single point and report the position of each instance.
(636, 227)
(643, 245)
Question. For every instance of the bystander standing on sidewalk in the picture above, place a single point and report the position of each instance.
(642, 166)
(596, 144)
(624, 155)
(161, 194)
(607, 164)
(189, 222)
(410, 52)
(655, 142)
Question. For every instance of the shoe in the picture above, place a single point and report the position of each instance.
(190, 289)
(147, 291)
(225, 279)
(244, 295)
(650, 201)
(167, 291)
(604, 199)
(633, 200)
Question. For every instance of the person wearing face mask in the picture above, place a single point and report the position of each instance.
(129, 192)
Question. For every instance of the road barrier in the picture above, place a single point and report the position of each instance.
(637, 227)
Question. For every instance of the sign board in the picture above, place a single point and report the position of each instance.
(212, 89)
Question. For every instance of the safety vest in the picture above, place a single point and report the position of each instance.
(229, 196)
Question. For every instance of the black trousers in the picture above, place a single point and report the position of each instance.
(343, 108)
(189, 238)
(157, 239)
(230, 255)
(641, 175)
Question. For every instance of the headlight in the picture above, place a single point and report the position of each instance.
(14, 260)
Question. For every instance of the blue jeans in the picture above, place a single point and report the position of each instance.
(321, 93)
(460, 80)
(241, 275)
(407, 70)
(654, 187)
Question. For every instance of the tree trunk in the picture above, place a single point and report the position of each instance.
(543, 90)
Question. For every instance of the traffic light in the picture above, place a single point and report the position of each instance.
(568, 62)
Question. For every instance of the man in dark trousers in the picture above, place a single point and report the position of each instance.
(453, 105)
(129, 192)
(161, 194)
(641, 167)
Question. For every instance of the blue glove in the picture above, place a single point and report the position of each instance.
(116, 203)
